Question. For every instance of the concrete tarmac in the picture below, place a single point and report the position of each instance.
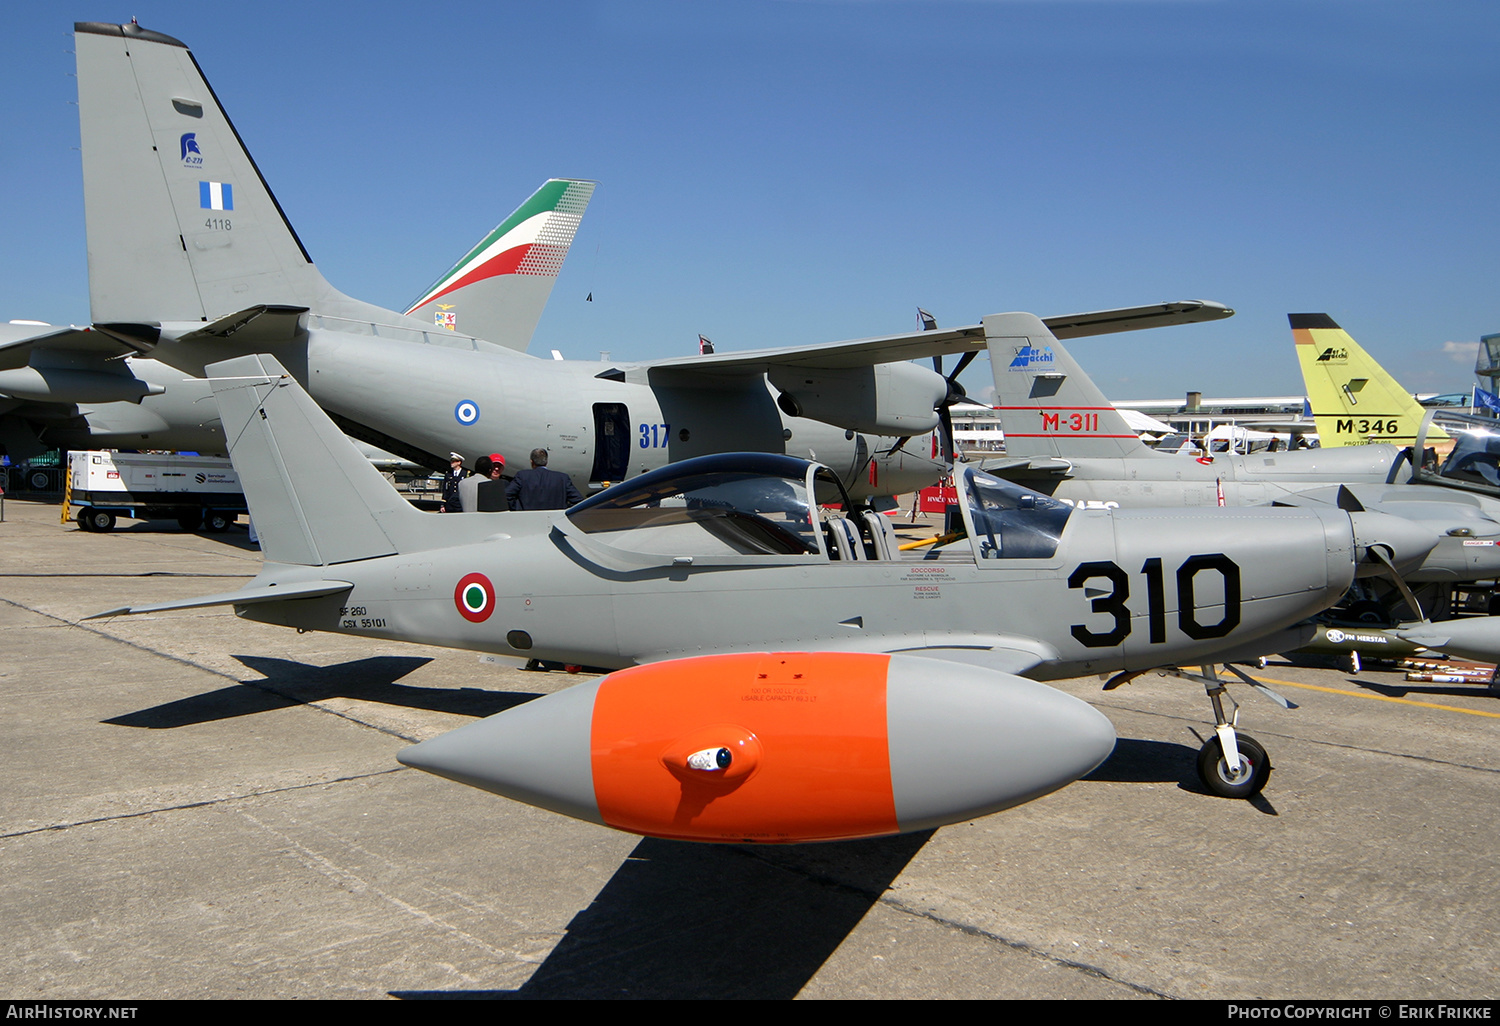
(194, 805)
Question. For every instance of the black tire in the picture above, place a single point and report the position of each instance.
(216, 522)
(1255, 768)
(82, 516)
(98, 520)
(190, 521)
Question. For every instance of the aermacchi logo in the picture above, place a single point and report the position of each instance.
(1029, 356)
(475, 598)
(1333, 355)
(192, 156)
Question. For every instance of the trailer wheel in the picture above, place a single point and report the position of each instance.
(216, 522)
(98, 520)
(190, 521)
(82, 516)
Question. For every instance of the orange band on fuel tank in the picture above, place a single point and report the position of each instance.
(822, 772)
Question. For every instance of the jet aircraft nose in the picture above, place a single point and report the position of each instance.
(1475, 638)
(1407, 542)
(781, 747)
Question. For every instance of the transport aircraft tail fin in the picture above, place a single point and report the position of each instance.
(1354, 399)
(1048, 406)
(498, 290)
(181, 225)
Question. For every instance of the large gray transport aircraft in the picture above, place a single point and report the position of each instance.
(74, 390)
(191, 261)
(773, 639)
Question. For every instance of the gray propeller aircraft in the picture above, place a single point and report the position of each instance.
(192, 261)
(66, 389)
(787, 671)
(1064, 439)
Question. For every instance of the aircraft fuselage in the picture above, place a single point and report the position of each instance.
(1123, 591)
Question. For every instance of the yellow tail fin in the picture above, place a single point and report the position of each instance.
(1354, 401)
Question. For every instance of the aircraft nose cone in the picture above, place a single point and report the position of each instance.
(536, 753)
(1475, 638)
(966, 741)
(1406, 541)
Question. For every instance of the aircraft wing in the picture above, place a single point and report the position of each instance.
(941, 342)
(100, 342)
(1006, 653)
(247, 596)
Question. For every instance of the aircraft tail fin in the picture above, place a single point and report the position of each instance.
(314, 499)
(1048, 406)
(498, 290)
(181, 225)
(1354, 399)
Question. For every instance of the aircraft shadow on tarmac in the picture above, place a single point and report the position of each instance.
(1139, 761)
(1478, 689)
(289, 683)
(683, 920)
(235, 537)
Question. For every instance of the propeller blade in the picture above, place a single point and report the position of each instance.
(946, 426)
(1411, 600)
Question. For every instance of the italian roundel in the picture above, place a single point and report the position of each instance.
(475, 598)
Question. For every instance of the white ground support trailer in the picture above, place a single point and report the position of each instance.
(196, 491)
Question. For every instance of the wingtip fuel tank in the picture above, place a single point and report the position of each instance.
(780, 747)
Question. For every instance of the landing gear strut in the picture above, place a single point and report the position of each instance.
(1230, 764)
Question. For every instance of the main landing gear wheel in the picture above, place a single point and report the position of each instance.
(1247, 781)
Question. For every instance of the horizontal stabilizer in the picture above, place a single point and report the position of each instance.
(16, 353)
(244, 597)
(258, 325)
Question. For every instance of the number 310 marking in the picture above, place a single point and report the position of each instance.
(1156, 604)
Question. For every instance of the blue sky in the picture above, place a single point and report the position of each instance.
(776, 173)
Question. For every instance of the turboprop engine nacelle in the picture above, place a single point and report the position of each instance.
(66, 385)
(884, 399)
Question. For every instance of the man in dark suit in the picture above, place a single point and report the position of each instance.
(540, 488)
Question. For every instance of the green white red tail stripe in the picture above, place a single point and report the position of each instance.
(533, 240)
